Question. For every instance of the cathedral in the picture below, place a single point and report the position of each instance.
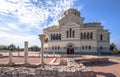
(72, 35)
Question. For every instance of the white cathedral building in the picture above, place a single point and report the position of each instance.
(72, 35)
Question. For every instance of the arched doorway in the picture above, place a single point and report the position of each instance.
(70, 49)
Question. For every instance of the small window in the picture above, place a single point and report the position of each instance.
(58, 47)
(82, 47)
(81, 35)
(67, 34)
(87, 35)
(75, 13)
(84, 35)
(89, 47)
(73, 33)
(91, 35)
(70, 32)
(51, 37)
(59, 36)
(101, 47)
(53, 48)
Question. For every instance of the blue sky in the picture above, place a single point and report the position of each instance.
(23, 20)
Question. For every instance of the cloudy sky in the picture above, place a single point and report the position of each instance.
(23, 20)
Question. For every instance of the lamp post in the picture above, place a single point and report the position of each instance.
(42, 37)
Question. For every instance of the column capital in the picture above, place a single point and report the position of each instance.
(42, 36)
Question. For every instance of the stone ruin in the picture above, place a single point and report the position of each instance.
(73, 66)
(72, 69)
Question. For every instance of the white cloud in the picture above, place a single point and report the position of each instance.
(33, 14)
(8, 38)
(4, 28)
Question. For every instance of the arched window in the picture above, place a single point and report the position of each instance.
(101, 47)
(51, 37)
(54, 37)
(58, 47)
(82, 47)
(55, 47)
(52, 47)
(89, 47)
(75, 13)
(70, 32)
(84, 35)
(67, 34)
(59, 36)
(91, 35)
(101, 37)
(81, 35)
(73, 33)
(87, 35)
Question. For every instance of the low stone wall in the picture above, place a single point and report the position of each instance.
(73, 69)
(1, 55)
(89, 61)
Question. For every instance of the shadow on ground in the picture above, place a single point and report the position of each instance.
(108, 63)
(102, 74)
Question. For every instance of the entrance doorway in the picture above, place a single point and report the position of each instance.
(70, 50)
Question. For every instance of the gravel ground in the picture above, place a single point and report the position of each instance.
(110, 69)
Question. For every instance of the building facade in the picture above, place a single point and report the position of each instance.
(72, 35)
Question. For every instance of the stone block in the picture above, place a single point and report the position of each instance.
(54, 72)
(45, 72)
(46, 76)
(37, 75)
(30, 75)
(70, 73)
(37, 71)
(22, 74)
(61, 73)
(78, 73)
(0, 73)
(88, 74)
(14, 75)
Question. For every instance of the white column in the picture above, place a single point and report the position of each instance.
(10, 57)
(26, 53)
(41, 56)
(42, 36)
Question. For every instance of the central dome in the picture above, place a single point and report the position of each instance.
(71, 11)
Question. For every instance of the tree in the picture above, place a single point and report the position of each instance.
(113, 48)
(18, 48)
(34, 48)
(1, 47)
(11, 47)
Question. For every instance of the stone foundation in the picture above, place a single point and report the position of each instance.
(72, 69)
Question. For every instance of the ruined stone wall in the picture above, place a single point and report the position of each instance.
(73, 69)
